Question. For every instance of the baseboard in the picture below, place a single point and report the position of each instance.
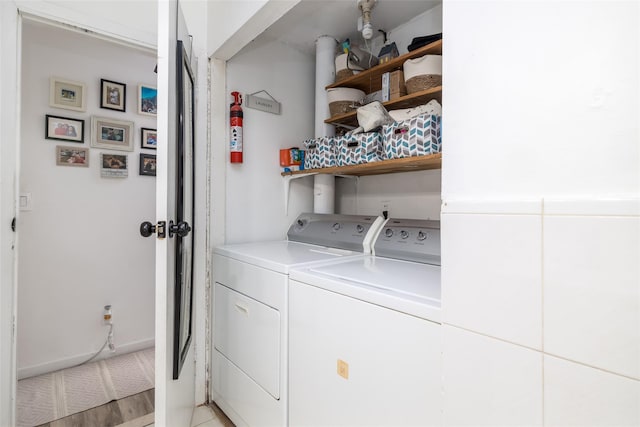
(56, 365)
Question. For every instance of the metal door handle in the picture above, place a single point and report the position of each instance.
(147, 229)
(182, 229)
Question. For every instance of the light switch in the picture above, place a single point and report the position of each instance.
(25, 201)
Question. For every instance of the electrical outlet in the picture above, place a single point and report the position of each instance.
(107, 316)
(385, 206)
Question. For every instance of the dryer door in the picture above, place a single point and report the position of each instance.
(248, 334)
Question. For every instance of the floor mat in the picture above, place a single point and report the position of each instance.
(48, 397)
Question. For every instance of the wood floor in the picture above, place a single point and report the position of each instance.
(111, 414)
(221, 416)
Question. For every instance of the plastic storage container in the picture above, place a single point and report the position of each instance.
(358, 149)
(320, 153)
(417, 136)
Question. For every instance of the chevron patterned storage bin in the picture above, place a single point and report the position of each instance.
(320, 153)
(310, 153)
(418, 136)
(357, 149)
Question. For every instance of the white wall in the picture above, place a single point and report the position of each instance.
(561, 87)
(235, 23)
(427, 23)
(409, 195)
(255, 189)
(226, 17)
(405, 195)
(81, 248)
(128, 20)
(541, 214)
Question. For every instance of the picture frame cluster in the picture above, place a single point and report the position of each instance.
(107, 133)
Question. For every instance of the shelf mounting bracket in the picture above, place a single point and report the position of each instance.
(287, 186)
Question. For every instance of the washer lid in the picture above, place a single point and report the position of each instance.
(409, 287)
(281, 255)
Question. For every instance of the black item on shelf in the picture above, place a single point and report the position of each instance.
(388, 52)
(418, 42)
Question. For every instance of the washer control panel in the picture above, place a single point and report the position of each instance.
(411, 240)
(334, 231)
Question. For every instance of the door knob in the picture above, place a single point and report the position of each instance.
(147, 229)
(182, 229)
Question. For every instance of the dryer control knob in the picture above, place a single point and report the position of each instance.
(388, 232)
(422, 235)
(404, 234)
(359, 228)
(337, 226)
(300, 225)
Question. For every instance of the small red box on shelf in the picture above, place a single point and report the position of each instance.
(291, 157)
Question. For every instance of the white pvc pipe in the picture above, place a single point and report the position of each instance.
(324, 185)
(324, 189)
(325, 75)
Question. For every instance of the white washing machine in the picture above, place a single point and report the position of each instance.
(249, 357)
(365, 334)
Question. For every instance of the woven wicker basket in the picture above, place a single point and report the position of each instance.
(423, 82)
(341, 107)
(343, 74)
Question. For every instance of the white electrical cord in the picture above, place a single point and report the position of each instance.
(107, 341)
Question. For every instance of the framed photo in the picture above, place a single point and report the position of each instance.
(149, 138)
(147, 164)
(66, 94)
(147, 100)
(111, 134)
(72, 156)
(113, 95)
(64, 129)
(114, 165)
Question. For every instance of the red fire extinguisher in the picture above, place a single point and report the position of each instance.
(236, 128)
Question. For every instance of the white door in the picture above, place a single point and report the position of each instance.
(9, 83)
(175, 369)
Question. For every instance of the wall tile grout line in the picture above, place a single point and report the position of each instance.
(544, 353)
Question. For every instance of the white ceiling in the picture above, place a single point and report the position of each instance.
(310, 19)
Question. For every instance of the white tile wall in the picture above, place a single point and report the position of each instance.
(592, 291)
(488, 382)
(577, 395)
(491, 275)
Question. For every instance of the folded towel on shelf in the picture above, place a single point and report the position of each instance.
(432, 107)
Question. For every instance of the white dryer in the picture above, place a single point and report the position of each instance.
(365, 334)
(249, 357)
